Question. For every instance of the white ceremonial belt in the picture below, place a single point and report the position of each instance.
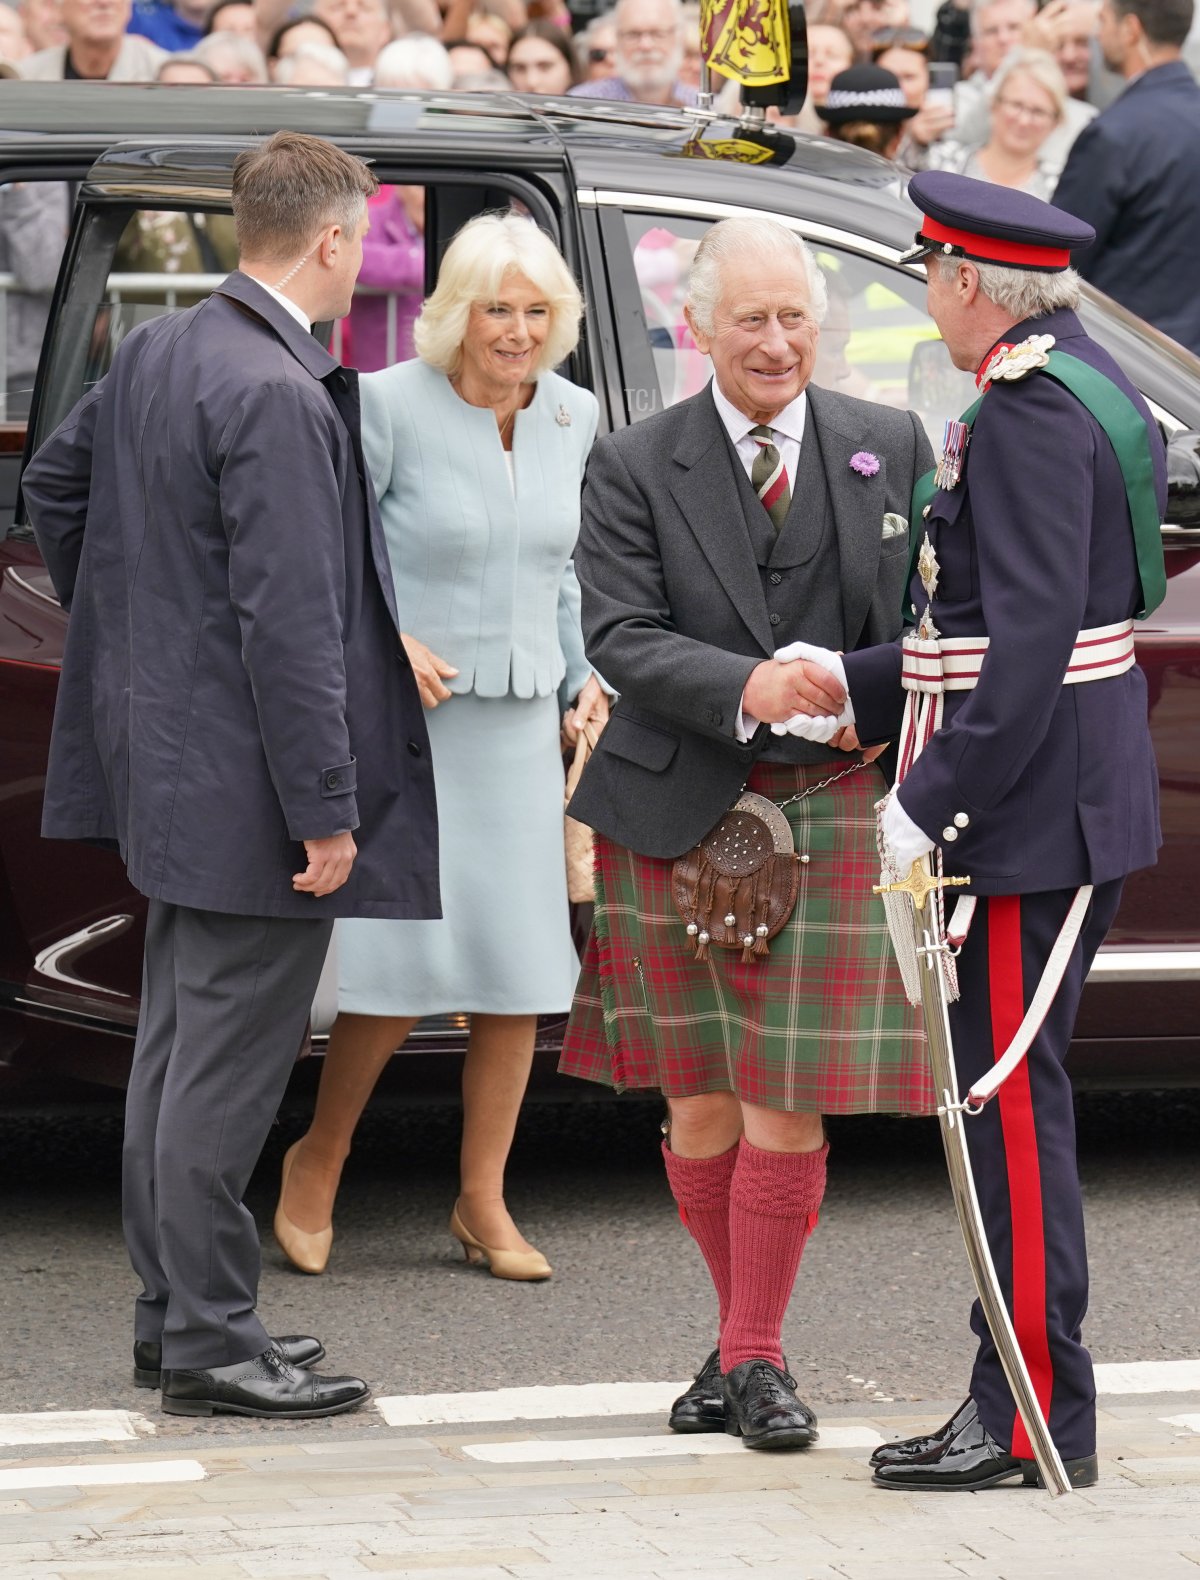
(953, 663)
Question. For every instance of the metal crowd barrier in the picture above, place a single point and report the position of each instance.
(151, 290)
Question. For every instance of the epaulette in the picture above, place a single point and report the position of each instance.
(1016, 362)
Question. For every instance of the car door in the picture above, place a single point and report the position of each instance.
(878, 343)
(153, 234)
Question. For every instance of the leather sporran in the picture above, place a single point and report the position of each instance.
(738, 886)
(578, 840)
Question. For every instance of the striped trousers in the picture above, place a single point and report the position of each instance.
(1023, 1155)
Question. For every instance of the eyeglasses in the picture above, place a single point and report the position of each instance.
(657, 34)
(1031, 112)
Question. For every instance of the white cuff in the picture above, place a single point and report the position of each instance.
(746, 723)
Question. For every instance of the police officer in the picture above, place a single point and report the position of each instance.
(1035, 547)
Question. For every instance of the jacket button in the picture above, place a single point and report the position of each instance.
(332, 781)
(414, 748)
(925, 512)
(961, 820)
(776, 618)
(949, 834)
(776, 578)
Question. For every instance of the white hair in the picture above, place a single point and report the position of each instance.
(320, 54)
(740, 240)
(1039, 66)
(414, 61)
(211, 50)
(1025, 293)
(486, 251)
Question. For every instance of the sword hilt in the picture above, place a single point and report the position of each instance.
(919, 885)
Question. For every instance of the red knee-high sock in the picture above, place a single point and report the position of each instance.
(701, 1188)
(774, 1198)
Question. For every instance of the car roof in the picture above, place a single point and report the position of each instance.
(609, 144)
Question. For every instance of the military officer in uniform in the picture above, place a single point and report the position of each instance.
(1036, 546)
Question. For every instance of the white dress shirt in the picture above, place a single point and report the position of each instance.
(297, 313)
(787, 431)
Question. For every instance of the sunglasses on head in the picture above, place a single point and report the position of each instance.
(898, 38)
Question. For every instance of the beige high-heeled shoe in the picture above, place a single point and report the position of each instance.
(308, 1252)
(525, 1266)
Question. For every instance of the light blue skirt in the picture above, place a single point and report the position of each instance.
(503, 945)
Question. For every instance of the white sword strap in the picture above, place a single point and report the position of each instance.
(1039, 1005)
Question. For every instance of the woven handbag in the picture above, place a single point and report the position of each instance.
(577, 837)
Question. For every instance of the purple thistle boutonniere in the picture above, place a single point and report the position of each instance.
(864, 462)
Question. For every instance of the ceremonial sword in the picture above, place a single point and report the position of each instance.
(932, 951)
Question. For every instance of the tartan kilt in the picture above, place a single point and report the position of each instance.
(820, 1025)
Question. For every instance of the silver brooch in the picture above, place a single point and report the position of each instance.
(562, 417)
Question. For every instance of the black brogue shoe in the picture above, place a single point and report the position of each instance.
(762, 1409)
(702, 1407)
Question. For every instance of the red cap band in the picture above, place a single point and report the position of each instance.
(991, 250)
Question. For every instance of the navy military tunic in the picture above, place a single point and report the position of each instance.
(1032, 788)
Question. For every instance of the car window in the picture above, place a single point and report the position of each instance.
(877, 341)
(168, 261)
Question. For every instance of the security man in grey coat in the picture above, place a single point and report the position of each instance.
(235, 705)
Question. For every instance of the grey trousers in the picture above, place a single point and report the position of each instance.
(224, 1005)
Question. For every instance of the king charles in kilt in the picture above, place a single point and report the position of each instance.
(714, 533)
(1025, 757)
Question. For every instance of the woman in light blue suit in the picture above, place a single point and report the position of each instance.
(477, 452)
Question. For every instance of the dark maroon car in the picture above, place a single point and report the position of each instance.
(147, 173)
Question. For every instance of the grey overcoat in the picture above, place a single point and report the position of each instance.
(674, 612)
(233, 682)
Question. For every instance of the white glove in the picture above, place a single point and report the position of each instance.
(829, 660)
(902, 837)
(819, 727)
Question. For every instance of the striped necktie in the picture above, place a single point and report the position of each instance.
(769, 479)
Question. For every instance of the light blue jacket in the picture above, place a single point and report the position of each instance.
(483, 574)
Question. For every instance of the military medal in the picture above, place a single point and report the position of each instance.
(954, 448)
(928, 567)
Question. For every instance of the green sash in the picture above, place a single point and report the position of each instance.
(1126, 430)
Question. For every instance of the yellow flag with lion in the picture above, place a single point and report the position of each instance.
(748, 40)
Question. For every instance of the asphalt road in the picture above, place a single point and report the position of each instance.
(880, 1308)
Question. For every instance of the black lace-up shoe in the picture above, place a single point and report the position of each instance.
(264, 1385)
(702, 1407)
(910, 1448)
(971, 1460)
(147, 1357)
(762, 1409)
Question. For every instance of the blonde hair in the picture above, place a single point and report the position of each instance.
(1041, 67)
(485, 252)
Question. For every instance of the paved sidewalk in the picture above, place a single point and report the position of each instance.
(528, 1501)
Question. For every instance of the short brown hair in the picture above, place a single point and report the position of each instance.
(289, 189)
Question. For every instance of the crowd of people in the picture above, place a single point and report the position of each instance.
(1094, 105)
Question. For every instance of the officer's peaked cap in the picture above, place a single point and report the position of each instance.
(986, 223)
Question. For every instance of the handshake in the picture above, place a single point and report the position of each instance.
(802, 691)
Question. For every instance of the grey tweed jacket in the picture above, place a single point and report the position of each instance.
(674, 612)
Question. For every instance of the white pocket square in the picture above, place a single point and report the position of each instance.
(895, 526)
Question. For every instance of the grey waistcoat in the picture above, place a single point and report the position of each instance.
(801, 574)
